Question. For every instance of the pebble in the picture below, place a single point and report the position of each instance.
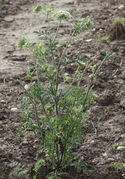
(110, 160)
(104, 154)
(88, 40)
(27, 87)
(121, 148)
(123, 135)
(9, 19)
(14, 110)
(2, 101)
(121, 7)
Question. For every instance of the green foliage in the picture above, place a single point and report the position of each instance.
(102, 38)
(113, 55)
(57, 175)
(38, 165)
(23, 42)
(118, 20)
(54, 111)
(116, 166)
(63, 15)
(42, 8)
(104, 52)
(82, 24)
(38, 8)
(107, 54)
(120, 144)
(18, 170)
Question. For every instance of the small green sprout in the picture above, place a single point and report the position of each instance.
(49, 10)
(93, 68)
(103, 52)
(18, 170)
(102, 38)
(76, 110)
(66, 77)
(81, 63)
(82, 24)
(23, 42)
(113, 55)
(39, 49)
(38, 8)
(38, 164)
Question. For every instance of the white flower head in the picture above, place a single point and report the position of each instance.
(63, 15)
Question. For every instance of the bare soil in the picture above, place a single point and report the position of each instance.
(106, 125)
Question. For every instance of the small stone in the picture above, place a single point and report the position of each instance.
(14, 110)
(110, 160)
(92, 142)
(123, 175)
(93, 30)
(9, 19)
(2, 101)
(120, 81)
(27, 87)
(123, 135)
(121, 7)
(88, 40)
(104, 154)
(121, 148)
(25, 142)
(100, 29)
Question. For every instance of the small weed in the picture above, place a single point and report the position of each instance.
(119, 20)
(54, 111)
(116, 166)
(18, 170)
(117, 30)
(120, 144)
(102, 38)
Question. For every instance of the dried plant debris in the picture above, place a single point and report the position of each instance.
(117, 29)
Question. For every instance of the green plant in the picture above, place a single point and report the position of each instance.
(102, 38)
(118, 20)
(116, 166)
(120, 144)
(18, 170)
(117, 29)
(54, 111)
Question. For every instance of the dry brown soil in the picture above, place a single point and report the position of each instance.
(107, 116)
